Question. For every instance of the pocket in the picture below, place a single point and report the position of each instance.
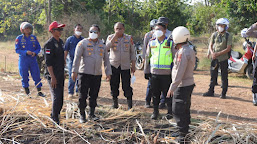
(179, 106)
(101, 52)
(89, 51)
(126, 47)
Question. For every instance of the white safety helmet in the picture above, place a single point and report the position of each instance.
(243, 32)
(223, 21)
(25, 25)
(180, 34)
(153, 22)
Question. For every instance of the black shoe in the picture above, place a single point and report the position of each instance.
(155, 114)
(223, 96)
(162, 106)
(147, 105)
(255, 99)
(27, 91)
(55, 119)
(168, 116)
(209, 94)
(129, 104)
(115, 103)
(82, 118)
(41, 94)
(93, 117)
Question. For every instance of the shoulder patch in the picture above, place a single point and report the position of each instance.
(179, 57)
(131, 40)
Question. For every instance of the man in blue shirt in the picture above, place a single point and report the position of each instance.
(70, 47)
(27, 46)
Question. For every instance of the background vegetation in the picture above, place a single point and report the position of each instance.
(198, 17)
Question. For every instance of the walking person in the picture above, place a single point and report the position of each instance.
(70, 46)
(54, 55)
(27, 46)
(89, 55)
(122, 59)
(220, 47)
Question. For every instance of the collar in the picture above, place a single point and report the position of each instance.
(162, 41)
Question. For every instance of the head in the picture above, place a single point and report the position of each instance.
(56, 29)
(160, 30)
(26, 28)
(222, 25)
(78, 30)
(119, 28)
(181, 35)
(94, 32)
(152, 23)
(163, 20)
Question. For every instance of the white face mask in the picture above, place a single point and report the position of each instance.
(158, 33)
(78, 33)
(220, 29)
(93, 35)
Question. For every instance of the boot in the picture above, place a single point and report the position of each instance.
(92, 114)
(40, 93)
(255, 99)
(209, 94)
(129, 104)
(27, 92)
(147, 104)
(155, 113)
(115, 103)
(82, 118)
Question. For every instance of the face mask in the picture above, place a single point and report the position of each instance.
(220, 29)
(93, 35)
(78, 33)
(158, 33)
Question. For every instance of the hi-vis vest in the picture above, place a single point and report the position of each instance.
(161, 55)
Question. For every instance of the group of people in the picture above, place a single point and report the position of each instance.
(169, 63)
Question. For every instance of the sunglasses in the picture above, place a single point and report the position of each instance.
(59, 29)
(93, 31)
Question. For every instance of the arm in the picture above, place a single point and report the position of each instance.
(78, 54)
(254, 52)
(146, 40)
(66, 48)
(132, 56)
(110, 41)
(19, 49)
(107, 65)
(147, 60)
(38, 47)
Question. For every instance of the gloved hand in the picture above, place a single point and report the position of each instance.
(147, 76)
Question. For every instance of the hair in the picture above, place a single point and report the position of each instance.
(162, 25)
(119, 23)
(78, 25)
(95, 25)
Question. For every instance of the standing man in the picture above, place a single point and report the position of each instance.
(252, 33)
(27, 46)
(89, 70)
(182, 81)
(158, 66)
(70, 47)
(54, 55)
(220, 46)
(147, 38)
(122, 59)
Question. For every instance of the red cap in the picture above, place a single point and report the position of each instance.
(55, 24)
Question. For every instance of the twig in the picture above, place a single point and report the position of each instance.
(10, 140)
(82, 137)
(142, 131)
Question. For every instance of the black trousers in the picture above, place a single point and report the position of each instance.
(254, 86)
(57, 98)
(88, 84)
(224, 75)
(115, 83)
(181, 107)
(160, 83)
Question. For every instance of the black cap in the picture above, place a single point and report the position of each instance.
(163, 20)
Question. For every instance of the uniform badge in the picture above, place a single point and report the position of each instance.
(34, 46)
(126, 45)
(88, 49)
(92, 49)
(32, 37)
(101, 54)
(101, 50)
(16, 41)
(115, 48)
(23, 46)
(23, 40)
(89, 44)
(166, 43)
(100, 45)
(131, 41)
(89, 53)
(179, 57)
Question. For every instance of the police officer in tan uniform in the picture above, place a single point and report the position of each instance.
(182, 84)
(122, 59)
(89, 54)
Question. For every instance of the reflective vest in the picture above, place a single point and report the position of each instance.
(161, 55)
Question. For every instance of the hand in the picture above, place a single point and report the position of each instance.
(169, 94)
(147, 76)
(208, 55)
(133, 69)
(33, 54)
(74, 76)
(214, 55)
(29, 53)
(53, 82)
(108, 78)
